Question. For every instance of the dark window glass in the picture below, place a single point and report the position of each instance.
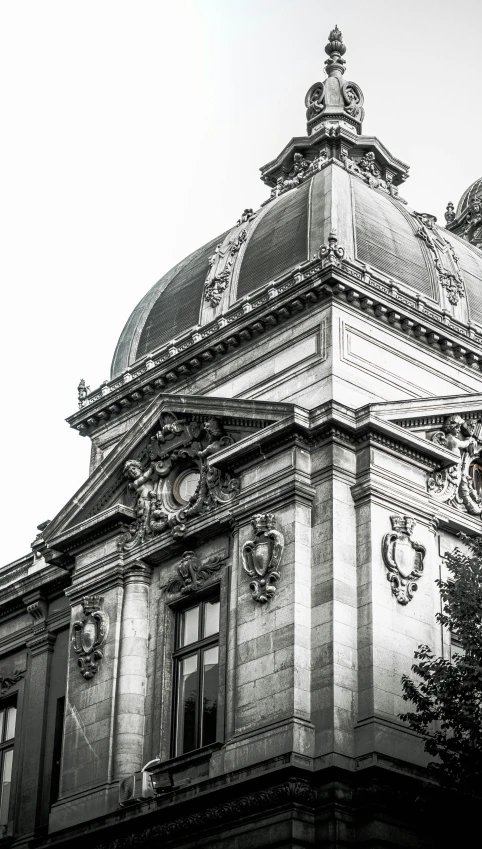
(57, 753)
(210, 695)
(197, 673)
(8, 716)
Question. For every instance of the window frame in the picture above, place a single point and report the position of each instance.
(197, 648)
(7, 746)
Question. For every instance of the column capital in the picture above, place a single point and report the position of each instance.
(137, 573)
(41, 643)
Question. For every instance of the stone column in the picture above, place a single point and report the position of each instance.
(131, 681)
(34, 720)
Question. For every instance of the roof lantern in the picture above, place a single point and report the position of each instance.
(335, 100)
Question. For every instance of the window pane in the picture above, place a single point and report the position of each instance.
(5, 786)
(190, 626)
(210, 695)
(2, 712)
(211, 618)
(10, 723)
(187, 710)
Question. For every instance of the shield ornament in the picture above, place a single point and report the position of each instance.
(262, 557)
(403, 558)
(89, 635)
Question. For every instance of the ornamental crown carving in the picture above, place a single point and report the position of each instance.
(173, 481)
(335, 98)
(403, 558)
(262, 557)
(89, 635)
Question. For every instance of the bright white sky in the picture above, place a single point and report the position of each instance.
(132, 133)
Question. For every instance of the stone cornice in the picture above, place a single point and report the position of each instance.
(51, 580)
(333, 136)
(313, 282)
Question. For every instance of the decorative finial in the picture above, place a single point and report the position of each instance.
(334, 102)
(449, 212)
(335, 50)
(82, 392)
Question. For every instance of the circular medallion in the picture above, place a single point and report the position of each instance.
(185, 486)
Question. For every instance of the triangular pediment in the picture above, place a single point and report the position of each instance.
(424, 414)
(153, 467)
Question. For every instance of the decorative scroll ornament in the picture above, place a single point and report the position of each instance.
(301, 170)
(9, 681)
(176, 481)
(334, 99)
(332, 252)
(221, 262)
(369, 171)
(262, 557)
(445, 259)
(193, 573)
(460, 485)
(403, 558)
(89, 635)
(473, 229)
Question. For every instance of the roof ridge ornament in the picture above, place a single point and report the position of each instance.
(334, 101)
(335, 50)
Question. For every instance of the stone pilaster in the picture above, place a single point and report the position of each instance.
(34, 719)
(131, 682)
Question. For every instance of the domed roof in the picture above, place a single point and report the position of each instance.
(374, 228)
(334, 178)
(469, 196)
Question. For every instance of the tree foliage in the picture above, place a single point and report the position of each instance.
(448, 693)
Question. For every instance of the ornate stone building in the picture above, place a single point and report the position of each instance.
(205, 645)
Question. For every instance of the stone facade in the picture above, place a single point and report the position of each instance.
(305, 459)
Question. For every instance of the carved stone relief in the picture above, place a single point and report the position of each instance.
(369, 171)
(301, 170)
(89, 635)
(473, 228)
(403, 558)
(445, 259)
(193, 573)
(221, 262)
(175, 482)
(262, 557)
(459, 485)
(7, 681)
(332, 252)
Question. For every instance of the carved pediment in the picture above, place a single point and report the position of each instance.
(459, 485)
(160, 475)
(172, 480)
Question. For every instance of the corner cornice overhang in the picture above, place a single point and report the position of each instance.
(329, 421)
(114, 520)
(51, 579)
(353, 142)
(308, 284)
(291, 426)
